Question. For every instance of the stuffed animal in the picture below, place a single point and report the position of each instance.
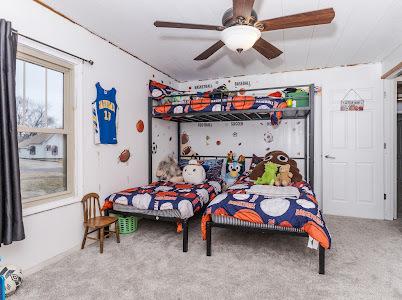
(269, 175)
(12, 276)
(234, 168)
(279, 158)
(194, 172)
(169, 170)
(284, 176)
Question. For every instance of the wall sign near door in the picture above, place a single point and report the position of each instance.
(352, 101)
(352, 105)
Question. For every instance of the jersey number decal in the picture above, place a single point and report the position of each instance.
(108, 115)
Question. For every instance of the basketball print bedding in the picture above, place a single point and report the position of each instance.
(206, 104)
(182, 200)
(298, 211)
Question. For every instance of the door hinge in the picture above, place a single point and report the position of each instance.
(385, 145)
(385, 196)
(385, 94)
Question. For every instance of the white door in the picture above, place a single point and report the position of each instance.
(353, 154)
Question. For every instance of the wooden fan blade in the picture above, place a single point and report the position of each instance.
(266, 49)
(322, 16)
(187, 25)
(242, 8)
(211, 50)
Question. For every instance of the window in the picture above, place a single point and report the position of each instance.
(45, 126)
(55, 150)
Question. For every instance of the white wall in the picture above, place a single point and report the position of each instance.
(164, 142)
(328, 79)
(57, 230)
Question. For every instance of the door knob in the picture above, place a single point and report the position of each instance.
(329, 156)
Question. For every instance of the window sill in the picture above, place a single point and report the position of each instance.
(33, 208)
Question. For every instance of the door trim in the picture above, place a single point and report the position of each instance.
(390, 138)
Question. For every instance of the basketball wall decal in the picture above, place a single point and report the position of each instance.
(140, 126)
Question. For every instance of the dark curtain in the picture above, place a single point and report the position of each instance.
(11, 225)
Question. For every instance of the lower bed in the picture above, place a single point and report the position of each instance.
(240, 208)
(165, 201)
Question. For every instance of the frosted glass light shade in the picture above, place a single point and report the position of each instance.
(240, 37)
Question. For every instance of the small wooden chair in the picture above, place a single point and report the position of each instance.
(97, 223)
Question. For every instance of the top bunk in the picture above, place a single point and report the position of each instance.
(291, 102)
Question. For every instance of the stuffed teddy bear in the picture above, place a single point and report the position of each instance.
(284, 176)
(269, 175)
(169, 170)
(194, 173)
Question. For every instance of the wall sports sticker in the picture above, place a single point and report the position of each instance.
(140, 126)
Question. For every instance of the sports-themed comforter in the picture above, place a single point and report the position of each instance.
(208, 104)
(302, 212)
(165, 195)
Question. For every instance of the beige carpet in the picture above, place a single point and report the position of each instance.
(364, 263)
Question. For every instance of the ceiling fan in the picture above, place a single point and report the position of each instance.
(241, 29)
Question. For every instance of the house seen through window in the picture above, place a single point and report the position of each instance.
(43, 128)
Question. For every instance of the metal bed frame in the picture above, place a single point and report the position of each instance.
(306, 113)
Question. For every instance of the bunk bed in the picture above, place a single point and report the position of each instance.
(223, 108)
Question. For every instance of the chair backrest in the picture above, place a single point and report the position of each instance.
(91, 206)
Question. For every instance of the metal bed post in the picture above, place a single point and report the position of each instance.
(209, 237)
(150, 140)
(321, 259)
(321, 250)
(311, 137)
(178, 141)
(185, 234)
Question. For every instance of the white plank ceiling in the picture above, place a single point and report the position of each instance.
(362, 32)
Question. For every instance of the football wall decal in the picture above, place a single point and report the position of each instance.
(124, 155)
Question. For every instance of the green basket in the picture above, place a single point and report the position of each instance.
(301, 98)
(127, 224)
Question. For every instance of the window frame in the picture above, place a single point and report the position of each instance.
(42, 59)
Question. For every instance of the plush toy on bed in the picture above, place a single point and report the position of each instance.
(280, 158)
(194, 172)
(269, 175)
(284, 177)
(169, 170)
(234, 168)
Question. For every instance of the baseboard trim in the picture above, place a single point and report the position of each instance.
(55, 259)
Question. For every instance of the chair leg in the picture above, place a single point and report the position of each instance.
(102, 236)
(85, 238)
(116, 227)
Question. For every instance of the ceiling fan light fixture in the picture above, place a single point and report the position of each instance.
(240, 37)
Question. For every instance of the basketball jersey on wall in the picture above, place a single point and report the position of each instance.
(104, 116)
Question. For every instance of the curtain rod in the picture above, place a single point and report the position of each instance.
(91, 62)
